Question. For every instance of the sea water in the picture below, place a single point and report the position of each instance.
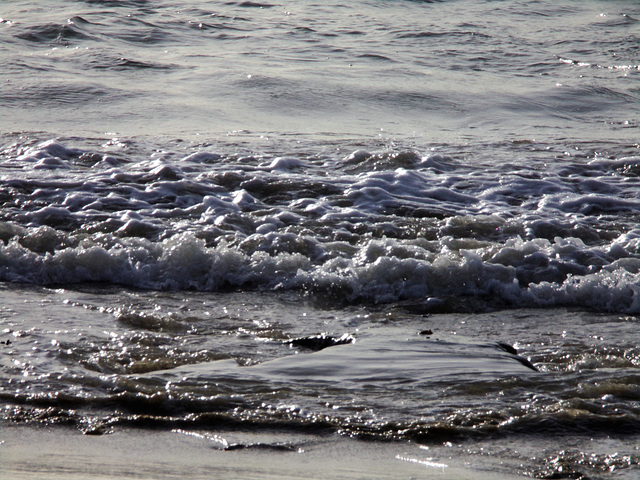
(406, 220)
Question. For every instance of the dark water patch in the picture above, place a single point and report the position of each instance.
(124, 3)
(59, 94)
(374, 56)
(53, 33)
(143, 32)
(147, 38)
(412, 99)
(274, 447)
(430, 34)
(77, 19)
(252, 4)
(277, 191)
(304, 30)
(122, 63)
(204, 26)
(319, 342)
(572, 101)
(422, 34)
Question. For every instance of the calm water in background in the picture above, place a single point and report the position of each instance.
(189, 188)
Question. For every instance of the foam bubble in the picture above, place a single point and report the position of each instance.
(285, 164)
(50, 151)
(202, 157)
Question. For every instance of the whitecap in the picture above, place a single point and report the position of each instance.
(284, 164)
(50, 149)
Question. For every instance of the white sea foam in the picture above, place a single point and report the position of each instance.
(380, 270)
(49, 151)
(285, 164)
(411, 227)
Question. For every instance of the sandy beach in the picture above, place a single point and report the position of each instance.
(63, 453)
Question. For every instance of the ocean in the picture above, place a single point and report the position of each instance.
(397, 221)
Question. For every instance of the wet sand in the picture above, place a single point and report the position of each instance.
(64, 453)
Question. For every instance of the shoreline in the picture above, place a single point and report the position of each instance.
(28, 452)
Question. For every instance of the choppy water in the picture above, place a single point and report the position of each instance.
(192, 191)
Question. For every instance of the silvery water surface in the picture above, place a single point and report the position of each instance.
(193, 192)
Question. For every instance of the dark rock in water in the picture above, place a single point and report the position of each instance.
(426, 332)
(510, 349)
(321, 341)
(507, 348)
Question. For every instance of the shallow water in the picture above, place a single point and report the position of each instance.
(194, 195)
(104, 359)
(440, 71)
